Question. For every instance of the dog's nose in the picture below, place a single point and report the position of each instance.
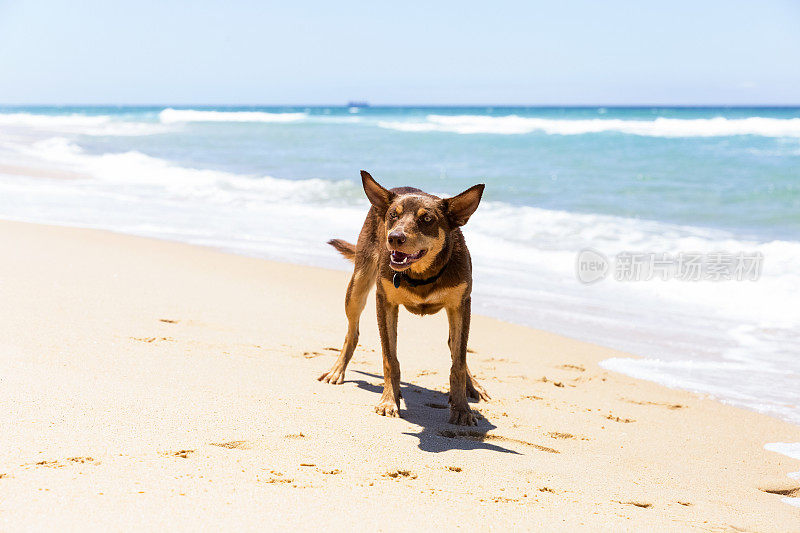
(396, 238)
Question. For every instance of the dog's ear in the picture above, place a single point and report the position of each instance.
(459, 208)
(378, 196)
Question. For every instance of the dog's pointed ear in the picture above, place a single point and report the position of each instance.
(459, 208)
(378, 196)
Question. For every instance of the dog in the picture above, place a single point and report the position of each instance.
(412, 248)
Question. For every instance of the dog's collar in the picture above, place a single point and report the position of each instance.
(399, 277)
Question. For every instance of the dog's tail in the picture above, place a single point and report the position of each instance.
(345, 248)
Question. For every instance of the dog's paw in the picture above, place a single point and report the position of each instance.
(462, 416)
(475, 391)
(334, 376)
(388, 408)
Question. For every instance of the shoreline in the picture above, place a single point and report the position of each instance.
(228, 210)
(154, 383)
(312, 261)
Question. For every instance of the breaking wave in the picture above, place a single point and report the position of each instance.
(171, 116)
(96, 125)
(660, 127)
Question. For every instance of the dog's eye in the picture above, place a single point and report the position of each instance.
(427, 219)
(393, 215)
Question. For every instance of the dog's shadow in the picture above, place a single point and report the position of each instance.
(429, 410)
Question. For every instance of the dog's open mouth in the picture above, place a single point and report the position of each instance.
(399, 260)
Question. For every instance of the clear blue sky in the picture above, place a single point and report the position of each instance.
(459, 52)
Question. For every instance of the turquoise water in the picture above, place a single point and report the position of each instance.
(277, 182)
(746, 183)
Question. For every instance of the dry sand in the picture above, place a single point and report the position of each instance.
(148, 384)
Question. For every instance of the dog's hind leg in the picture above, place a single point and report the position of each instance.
(387, 325)
(357, 291)
(458, 318)
(474, 389)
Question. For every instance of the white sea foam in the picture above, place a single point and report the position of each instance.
(790, 449)
(47, 121)
(170, 116)
(659, 127)
(132, 170)
(462, 124)
(96, 125)
(549, 231)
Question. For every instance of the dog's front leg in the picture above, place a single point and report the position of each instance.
(458, 318)
(356, 298)
(387, 324)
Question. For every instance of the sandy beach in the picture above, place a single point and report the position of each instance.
(147, 384)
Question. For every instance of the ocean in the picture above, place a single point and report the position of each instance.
(278, 182)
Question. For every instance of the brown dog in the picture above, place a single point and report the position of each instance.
(411, 245)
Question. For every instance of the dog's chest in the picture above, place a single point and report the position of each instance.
(424, 303)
